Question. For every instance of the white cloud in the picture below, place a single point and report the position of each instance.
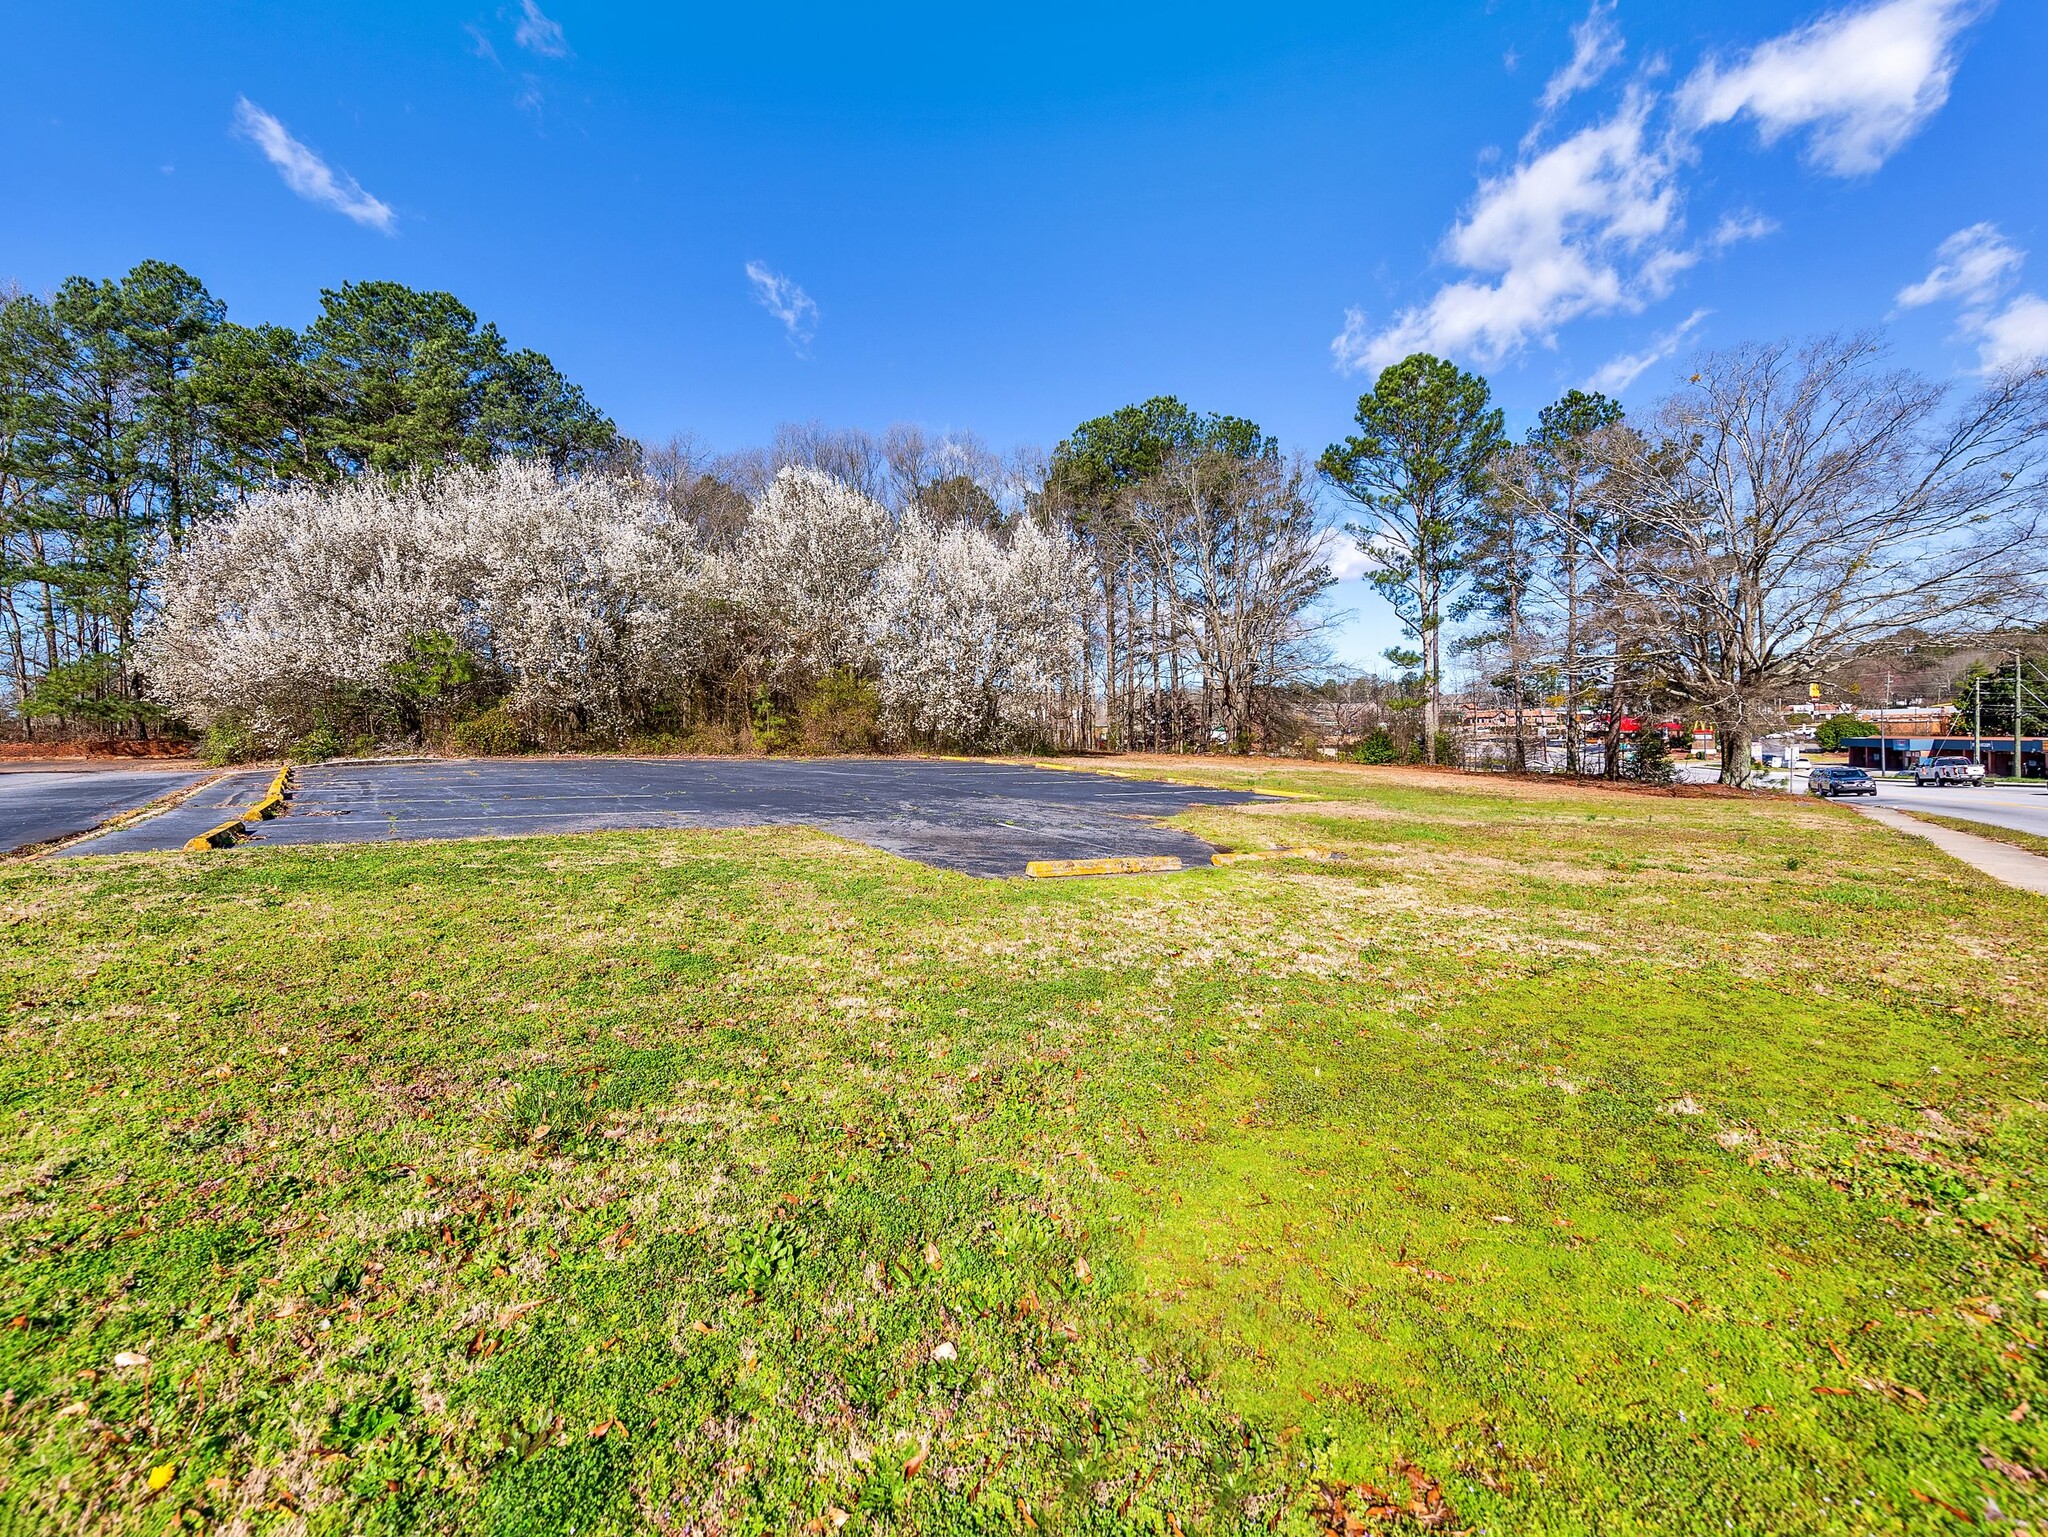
(1587, 227)
(480, 43)
(1596, 48)
(1863, 81)
(1594, 224)
(306, 173)
(1341, 553)
(1615, 375)
(540, 33)
(1735, 228)
(788, 303)
(1975, 268)
(2016, 334)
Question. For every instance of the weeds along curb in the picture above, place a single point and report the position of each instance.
(1122, 864)
(272, 802)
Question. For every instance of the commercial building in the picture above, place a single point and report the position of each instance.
(1902, 752)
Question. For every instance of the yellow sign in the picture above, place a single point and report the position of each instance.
(1813, 691)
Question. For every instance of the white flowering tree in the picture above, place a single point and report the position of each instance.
(975, 639)
(589, 602)
(803, 577)
(580, 596)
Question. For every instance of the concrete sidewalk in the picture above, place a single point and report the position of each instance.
(2000, 861)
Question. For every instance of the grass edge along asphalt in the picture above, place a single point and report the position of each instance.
(1553, 1161)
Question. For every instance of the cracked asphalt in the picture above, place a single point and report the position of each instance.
(43, 801)
(984, 819)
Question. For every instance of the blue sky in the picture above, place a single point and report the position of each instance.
(720, 218)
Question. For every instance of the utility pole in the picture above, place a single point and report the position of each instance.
(1977, 723)
(1884, 726)
(2019, 762)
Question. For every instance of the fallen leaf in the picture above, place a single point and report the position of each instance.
(1424, 1271)
(1960, 1515)
(2021, 1412)
(518, 1310)
(76, 1406)
(131, 1358)
(702, 1327)
(915, 1465)
(2019, 1473)
(1832, 1392)
(944, 1351)
(931, 1255)
(161, 1475)
(1081, 1270)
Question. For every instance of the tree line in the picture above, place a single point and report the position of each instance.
(1156, 581)
(1784, 512)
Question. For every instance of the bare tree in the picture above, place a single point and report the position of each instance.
(697, 486)
(1234, 560)
(1805, 504)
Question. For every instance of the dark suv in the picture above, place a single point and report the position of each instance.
(1840, 781)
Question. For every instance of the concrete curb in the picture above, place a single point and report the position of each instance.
(1121, 864)
(224, 836)
(1253, 856)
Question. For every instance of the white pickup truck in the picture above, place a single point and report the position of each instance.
(1948, 769)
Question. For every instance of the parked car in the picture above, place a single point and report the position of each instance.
(1948, 769)
(1840, 781)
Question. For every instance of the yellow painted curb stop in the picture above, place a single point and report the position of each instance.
(1250, 856)
(1289, 795)
(1122, 864)
(223, 836)
(273, 798)
(216, 837)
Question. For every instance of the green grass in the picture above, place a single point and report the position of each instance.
(2012, 835)
(1560, 1161)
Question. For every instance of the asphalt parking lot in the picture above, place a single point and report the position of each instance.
(43, 801)
(984, 819)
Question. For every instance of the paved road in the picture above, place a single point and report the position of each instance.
(2023, 810)
(42, 801)
(977, 818)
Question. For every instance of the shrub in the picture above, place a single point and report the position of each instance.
(320, 742)
(714, 738)
(491, 733)
(842, 714)
(229, 741)
(772, 732)
(1650, 763)
(1376, 748)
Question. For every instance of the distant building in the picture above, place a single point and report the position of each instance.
(1901, 752)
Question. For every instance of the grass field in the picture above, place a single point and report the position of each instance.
(1561, 1161)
